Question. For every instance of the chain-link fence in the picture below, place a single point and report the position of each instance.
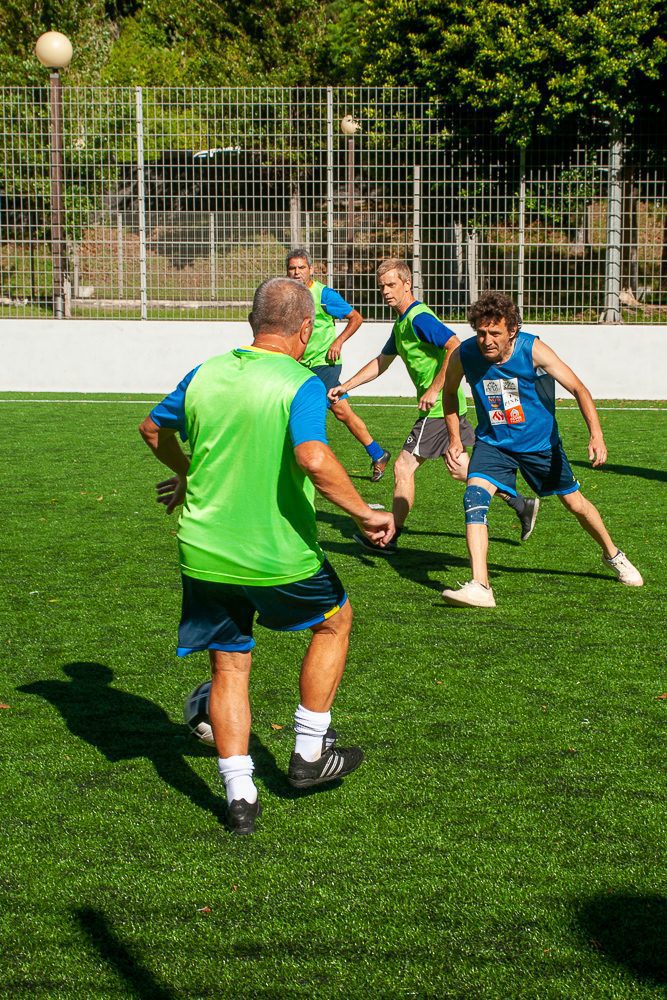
(175, 203)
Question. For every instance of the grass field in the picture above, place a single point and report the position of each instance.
(505, 837)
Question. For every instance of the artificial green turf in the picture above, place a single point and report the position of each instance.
(505, 837)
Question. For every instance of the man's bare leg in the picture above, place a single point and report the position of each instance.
(343, 411)
(590, 520)
(324, 663)
(229, 712)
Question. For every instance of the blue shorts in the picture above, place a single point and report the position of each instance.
(220, 615)
(548, 472)
(330, 375)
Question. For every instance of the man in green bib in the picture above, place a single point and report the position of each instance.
(255, 421)
(323, 353)
(425, 345)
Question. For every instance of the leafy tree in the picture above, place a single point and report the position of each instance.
(531, 66)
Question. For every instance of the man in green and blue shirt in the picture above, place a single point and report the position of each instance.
(323, 353)
(425, 345)
(255, 422)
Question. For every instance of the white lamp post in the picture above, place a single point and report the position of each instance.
(54, 50)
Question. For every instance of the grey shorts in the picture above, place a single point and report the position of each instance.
(429, 437)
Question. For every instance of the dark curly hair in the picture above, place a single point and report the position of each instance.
(493, 306)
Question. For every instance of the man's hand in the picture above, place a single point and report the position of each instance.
(429, 399)
(597, 450)
(334, 394)
(378, 526)
(171, 492)
(333, 354)
(453, 454)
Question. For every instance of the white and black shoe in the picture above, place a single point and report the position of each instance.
(334, 763)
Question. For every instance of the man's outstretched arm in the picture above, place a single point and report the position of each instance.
(331, 480)
(165, 446)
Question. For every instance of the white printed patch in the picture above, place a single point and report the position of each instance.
(492, 386)
(497, 416)
(511, 399)
(510, 385)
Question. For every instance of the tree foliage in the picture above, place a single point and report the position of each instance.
(531, 66)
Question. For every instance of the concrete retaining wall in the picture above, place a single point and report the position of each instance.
(615, 362)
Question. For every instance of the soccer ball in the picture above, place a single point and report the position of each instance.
(195, 713)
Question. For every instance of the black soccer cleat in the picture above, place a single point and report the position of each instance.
(390, 549)
(378, 467)
(334, 763)
(528, 516)
(241, 816)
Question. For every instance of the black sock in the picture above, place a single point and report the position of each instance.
(517, 503)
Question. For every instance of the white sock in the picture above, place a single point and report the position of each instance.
(310, 728)
(236, 772)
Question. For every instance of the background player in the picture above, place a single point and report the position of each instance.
(511, 374)
(425, 344)
(248, 538)
(323, 353)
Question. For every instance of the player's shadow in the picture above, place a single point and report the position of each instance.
(119, 957)
(434, 570)
(628, 470)
(126, 726)
(628, 929)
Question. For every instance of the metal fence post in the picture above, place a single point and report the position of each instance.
(612, 289)
(212, 250)
(119, 254)
(57, 205)
(521, 260)
(417, 280)
(473, 267)
(141, 196)
(330, 188)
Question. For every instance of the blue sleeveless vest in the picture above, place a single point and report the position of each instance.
(515, 402)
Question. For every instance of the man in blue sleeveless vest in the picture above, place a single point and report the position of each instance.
(323, 353)
(425, 345)
(511, 375)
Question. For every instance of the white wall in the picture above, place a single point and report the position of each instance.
(616, 362)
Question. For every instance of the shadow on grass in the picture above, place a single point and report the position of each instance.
(629, 929)
(420, 565)
(627, 470)
(118, 956)
(125, 726)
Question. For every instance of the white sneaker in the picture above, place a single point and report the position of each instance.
(471, 595)
(624, 570)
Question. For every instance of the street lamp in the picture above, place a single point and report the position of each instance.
(349, 126)
(54, 50)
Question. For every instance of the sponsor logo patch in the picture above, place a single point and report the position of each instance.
(491, 386)
(497, 417)
(511, 399)
(510, 385)
(495, 401)
(515, 415)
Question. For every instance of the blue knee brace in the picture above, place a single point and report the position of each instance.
(476, 502)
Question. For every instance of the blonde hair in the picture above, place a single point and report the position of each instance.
(401, 267)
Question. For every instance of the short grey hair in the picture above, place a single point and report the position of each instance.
(280, 306)
(299, 252)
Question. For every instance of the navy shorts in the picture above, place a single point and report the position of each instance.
(220, 615)
(330, 375)
(548, 472)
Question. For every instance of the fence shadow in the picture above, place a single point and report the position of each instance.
(629, 929)
(119, 957)
(125, 726)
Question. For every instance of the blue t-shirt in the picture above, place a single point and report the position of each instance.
(307, 415)
(334, 304)
(427, 327)
(515, 402)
